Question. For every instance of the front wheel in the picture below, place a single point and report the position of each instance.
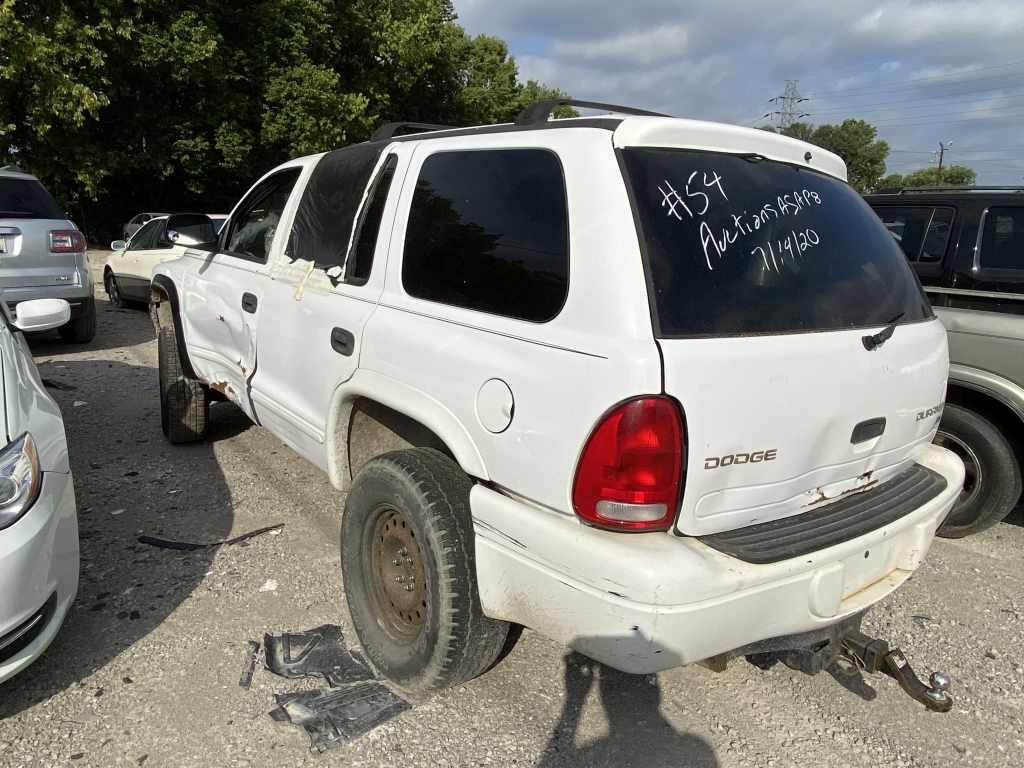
(409, 568)
(113, 290)
(184, 402)
(992, 482)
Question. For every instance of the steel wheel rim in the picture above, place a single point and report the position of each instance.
(972, 466)
(395, 570)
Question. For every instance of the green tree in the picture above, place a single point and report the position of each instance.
(952, 176)
(121, 105)
(853, 140)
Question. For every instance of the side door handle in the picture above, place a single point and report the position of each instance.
(342, 341)
(249, 303)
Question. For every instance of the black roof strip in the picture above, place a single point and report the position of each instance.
(388, 130)
(540, 111)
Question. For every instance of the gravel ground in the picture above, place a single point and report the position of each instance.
(146, 668)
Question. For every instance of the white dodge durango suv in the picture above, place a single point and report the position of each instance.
(664, 390)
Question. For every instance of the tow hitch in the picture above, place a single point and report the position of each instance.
(845, 652)
(871, 655)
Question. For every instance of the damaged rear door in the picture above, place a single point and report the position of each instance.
(222, 297)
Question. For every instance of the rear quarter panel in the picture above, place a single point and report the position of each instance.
(563, 374)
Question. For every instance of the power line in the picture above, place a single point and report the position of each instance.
(885, 106)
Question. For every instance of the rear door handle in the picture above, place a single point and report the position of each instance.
(342, 341)
(249, 302)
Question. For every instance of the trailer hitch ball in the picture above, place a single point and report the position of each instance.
(874, 656)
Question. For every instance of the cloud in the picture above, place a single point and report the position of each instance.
(639, 47)
(920, 69)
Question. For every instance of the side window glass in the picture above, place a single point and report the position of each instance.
(144, 236)
(360, 260)
(937, 237)
(907, 227)
(251, 229)
(488, 230)
(1002, 242)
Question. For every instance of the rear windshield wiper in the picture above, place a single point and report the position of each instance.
(875, 340)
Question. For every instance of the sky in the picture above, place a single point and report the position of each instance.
(922, 71)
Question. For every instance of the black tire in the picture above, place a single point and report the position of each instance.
(430, 633)
(82, 329)
(993, 483)
(113, 290)
(184, 402)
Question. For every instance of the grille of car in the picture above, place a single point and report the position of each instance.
(831, 524)
(22, 636)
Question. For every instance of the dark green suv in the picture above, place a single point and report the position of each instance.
(967, 246)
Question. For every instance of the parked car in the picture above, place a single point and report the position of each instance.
(135, 223)
(594, 376)
(38, 521)
(129, 267)
(43, 254)
(967, 246)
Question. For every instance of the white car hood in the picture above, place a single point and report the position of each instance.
(28, 407)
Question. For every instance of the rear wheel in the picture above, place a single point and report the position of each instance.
(81, 329)
(409, 568)
(992, 483)
(184, 402)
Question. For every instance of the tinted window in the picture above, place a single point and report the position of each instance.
(26, 199)
(360, 261)
(1002, 242)
(252, 227)
(938, 235)
(147, 235)
(488, 230)
(739, 246)
(920, 231)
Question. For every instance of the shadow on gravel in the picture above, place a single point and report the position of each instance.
(129, 481)
(135, 328)
(638, 733)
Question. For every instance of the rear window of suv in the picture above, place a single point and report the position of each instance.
(739, 245)
(26, 199)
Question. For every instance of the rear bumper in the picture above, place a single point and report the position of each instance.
(647, 602)
(38, 564)
(16, 286)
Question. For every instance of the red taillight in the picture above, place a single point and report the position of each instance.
(66, 241)
(630, 472)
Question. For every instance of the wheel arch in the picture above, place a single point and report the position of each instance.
(998, 400)
(165, 310)
(373, 414)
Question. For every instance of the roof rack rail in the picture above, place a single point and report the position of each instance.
(540, 111)
(388, 130)
(975, 188)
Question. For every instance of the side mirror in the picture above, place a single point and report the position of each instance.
(192, 230)
(119, 245)
(41, 314)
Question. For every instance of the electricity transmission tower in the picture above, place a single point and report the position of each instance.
(788, 111)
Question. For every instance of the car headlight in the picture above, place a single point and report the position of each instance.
(20, 479)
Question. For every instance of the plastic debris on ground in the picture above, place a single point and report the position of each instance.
(354, 704)
(318, 652)
(188, 546)
(337, 715)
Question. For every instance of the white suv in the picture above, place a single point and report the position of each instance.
(664, 390)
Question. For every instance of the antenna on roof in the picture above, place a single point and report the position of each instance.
(540, 111)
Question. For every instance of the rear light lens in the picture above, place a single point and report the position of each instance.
(629, 476)
(66, 241)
